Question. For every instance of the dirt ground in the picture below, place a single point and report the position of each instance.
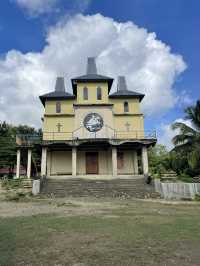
(89, 231)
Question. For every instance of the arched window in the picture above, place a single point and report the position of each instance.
(85, 93)
(58, 107)
(126, 107)
(99, 93)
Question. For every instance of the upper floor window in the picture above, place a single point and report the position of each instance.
(58, 107)
(99, 93)
(126, 107)
(85, 93)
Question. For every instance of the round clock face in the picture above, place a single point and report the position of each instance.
(93, 122)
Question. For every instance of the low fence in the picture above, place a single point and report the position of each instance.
(177, 190)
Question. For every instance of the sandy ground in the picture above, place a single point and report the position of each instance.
(82, 206)
(60, 207)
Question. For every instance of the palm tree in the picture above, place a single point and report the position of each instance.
(188, 135)
(187, 142)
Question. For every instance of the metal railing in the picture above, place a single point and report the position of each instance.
(106, 132)
(28, 139)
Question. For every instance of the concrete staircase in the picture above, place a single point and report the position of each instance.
(78, 187)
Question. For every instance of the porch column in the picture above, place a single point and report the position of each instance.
(135, 162)
(29, 164)
(145, 164)
(18, 163)
(74, 155)
(44, 161)
(114, 161)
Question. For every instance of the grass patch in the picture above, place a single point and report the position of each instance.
(136, 234)
(12, 183)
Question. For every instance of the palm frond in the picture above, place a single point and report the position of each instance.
(193, 114)
(182, 139)
(184, 129)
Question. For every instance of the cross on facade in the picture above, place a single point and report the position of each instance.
(59, 127)
(127, 125)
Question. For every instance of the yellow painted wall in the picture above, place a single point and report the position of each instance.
(136, 128)
(92, 93)
(118, 108)
(50, 129)
(72, 119)
(66, 107)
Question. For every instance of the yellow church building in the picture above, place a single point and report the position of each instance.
(92, 132)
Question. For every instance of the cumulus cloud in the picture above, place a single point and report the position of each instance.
(39, 7)
(120, 49)
(167, 133)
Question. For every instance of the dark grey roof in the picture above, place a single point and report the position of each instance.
(91, 75)
(123, 92)
(58, 94)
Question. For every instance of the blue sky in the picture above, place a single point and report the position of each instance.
(176, 23)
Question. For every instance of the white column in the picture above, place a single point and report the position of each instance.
(29, 164)
(135, 162)
(74, 159)
(114, 161)
(18, 163)
(44, 161)
(145, 164)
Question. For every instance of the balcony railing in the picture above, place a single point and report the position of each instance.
(82, 133)
(28, 139)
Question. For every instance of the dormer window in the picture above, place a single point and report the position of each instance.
(85, 93)
(99, 93)
(58, 107)
(126, 107)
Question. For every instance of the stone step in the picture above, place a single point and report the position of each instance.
(99, 188)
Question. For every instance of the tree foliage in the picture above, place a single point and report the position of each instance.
(185, 156)
(8, 145)
(159, 159)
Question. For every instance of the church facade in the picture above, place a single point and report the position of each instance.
(93, 131)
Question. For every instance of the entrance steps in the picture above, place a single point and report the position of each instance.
(78, 187)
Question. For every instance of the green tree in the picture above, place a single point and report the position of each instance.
(7, 146)
(188, 135)
(159, 160)
(187, 142)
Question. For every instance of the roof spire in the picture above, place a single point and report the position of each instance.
(121, 85)
(91, 66)
(60, 84)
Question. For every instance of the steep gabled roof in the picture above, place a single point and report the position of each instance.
(58, 94)
(91, 76)
(123, 92)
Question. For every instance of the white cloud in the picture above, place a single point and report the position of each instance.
(120, 48)
(39, 7)
(167, 133)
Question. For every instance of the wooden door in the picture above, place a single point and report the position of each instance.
(92, 163)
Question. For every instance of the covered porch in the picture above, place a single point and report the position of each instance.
(92, 160)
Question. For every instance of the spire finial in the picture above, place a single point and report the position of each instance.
(60, 84)
(91, 66)
(121, 85)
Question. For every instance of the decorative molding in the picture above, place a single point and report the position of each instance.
(128, 114)
(53, 115)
